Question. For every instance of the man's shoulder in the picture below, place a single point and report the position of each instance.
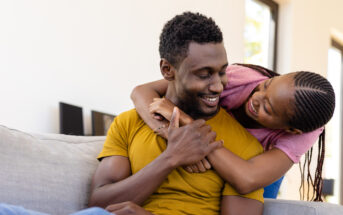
(224, 121)
(129, 118)
(235, 136)
(129, 115)
(222, 117)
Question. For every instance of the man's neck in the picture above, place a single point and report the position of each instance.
(171, 95)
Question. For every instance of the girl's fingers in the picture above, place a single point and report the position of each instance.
(201, 167)
(188, 169)
(206, 164)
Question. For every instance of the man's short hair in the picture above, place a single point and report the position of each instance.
(183, 29)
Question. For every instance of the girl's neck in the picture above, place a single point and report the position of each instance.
(241, 116)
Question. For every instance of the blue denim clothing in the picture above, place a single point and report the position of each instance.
(94, 210)
(272, 190)
(6, 209)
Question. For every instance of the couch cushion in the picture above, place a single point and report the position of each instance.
(292, 207)
(48, 173)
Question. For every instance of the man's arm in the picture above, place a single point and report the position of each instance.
(125, 208)
(236, 205)
(113, 182)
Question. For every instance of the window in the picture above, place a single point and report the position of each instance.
(334, 136)
(260, 32)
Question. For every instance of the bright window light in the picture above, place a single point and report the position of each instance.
(259, 34)
(333, 128)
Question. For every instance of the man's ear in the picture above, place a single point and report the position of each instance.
(167, 70)
(294, 131)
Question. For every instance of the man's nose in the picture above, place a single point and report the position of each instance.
(216, 85)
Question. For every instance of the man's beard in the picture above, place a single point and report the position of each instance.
(191, 106)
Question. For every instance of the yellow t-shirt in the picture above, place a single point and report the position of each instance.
(181, 192)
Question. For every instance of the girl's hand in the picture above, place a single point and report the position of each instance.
(200, 167)
(163, 107)
(163, 130)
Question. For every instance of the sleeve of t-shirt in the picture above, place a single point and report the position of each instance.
(295, 145)
(116, 142)
(252, 150)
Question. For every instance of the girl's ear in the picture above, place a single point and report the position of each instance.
(294, 131)
(167, 70)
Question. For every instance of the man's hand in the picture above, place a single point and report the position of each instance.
(127, 208)
(162, 109)
(190, 143)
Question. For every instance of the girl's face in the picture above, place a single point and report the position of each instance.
(271, 104)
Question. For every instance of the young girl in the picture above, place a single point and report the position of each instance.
(259, 99)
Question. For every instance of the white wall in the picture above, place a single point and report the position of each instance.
(88, 53)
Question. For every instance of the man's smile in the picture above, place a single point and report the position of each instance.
(210, 100)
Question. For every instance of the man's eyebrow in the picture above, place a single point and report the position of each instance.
(208, 68)
(202, 69)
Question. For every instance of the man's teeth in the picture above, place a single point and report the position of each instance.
(212, 99)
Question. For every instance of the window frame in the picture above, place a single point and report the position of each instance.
(274, 8)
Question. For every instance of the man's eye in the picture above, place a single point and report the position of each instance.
(222, 73)
(204, 76)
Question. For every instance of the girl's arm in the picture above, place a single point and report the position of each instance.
(244, 175)
(249, 175)
(143, 95)
(164, 107)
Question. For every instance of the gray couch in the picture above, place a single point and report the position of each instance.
(51, 173)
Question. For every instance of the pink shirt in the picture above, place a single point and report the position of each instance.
(242, 81)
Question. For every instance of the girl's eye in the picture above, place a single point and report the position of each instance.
(265, 108)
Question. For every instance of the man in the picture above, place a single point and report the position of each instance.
(141, 167)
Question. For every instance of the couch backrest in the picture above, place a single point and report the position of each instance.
(48, 173)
